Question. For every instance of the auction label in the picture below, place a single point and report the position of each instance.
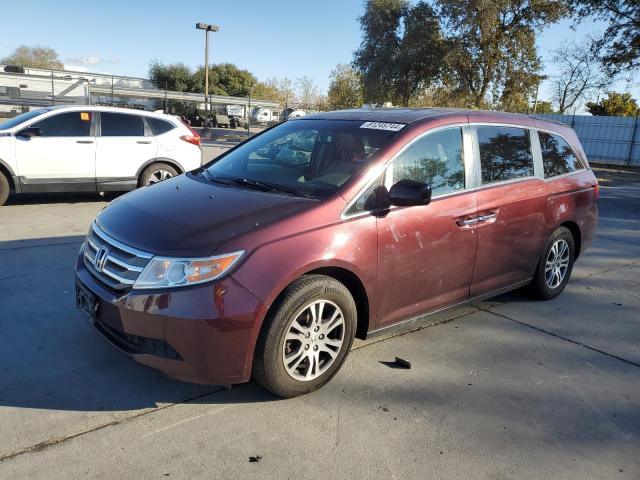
(394, 127)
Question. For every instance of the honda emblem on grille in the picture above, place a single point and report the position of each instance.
(101, 258)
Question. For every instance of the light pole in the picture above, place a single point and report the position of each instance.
(249, 111)
(207, 28)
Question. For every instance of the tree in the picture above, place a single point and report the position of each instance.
(262, 91)
(34, 57)
(579, 74)
(177, 76)
(615, 105)
(492, 43)
(285, 93)
(619, 46)
(225, 79)
(345, 88)
(544, 107)
(308, 93)
(401, 51)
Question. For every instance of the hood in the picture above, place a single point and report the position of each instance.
(190, 216)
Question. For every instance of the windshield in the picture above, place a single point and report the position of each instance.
(308, 157)
(23, 117)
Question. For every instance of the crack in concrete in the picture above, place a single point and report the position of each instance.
(561, 337)
(55, 441)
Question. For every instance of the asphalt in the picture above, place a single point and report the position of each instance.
(508, 388)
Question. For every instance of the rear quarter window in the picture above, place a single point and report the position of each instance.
(558, 158)
(158, 127)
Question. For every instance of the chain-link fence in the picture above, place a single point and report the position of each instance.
(22, 89)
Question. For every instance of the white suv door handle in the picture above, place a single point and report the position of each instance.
(84, 141)
(144, 141)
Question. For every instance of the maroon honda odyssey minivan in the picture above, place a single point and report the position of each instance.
(270, 259)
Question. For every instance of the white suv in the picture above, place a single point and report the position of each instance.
(92, 149)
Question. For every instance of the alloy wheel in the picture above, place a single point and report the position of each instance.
(159, 176)
(557, 263)
(313, 340)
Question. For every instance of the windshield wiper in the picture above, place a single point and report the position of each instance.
(266, 186)
(211, 178)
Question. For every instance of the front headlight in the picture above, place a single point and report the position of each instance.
(165, 272)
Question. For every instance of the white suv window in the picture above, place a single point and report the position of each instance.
(121, 125)
(68, 124)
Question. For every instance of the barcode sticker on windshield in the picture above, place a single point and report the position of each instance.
(394, 127)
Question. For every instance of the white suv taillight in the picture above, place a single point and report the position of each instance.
(194, 138)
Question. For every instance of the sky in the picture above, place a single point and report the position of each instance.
(273, 38)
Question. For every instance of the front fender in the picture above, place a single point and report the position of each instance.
(350, 245)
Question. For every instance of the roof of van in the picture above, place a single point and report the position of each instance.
(410, 115)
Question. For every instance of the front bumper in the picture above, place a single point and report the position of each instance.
(202, 334)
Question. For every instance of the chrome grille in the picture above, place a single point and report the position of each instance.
(118, 265)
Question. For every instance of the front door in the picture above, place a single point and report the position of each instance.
(125, 143)
(426, 253)
(62, 158)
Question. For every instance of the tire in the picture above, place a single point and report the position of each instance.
(157, 172)
(281, 342)
(5, 188)
(545, 284)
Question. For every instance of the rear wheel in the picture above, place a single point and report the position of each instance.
(157, 172)
(306, 337)
(556, 264)
(5, 188)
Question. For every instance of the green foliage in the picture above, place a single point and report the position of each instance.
(619, 45)
(177, 76)
(401, 52)
(615, 105)
(225, 79)
(345, 88)
(491, 47)
(544, 107)
(34, 57)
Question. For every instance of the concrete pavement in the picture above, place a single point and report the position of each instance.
(509, 388)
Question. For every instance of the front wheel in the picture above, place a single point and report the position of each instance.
(555, 266)
(306, 337)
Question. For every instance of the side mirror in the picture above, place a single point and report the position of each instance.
(29, 132)
(407, 193)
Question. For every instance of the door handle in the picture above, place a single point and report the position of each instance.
(144, 141)
(467, 222)
(84, 141)
(487, 217)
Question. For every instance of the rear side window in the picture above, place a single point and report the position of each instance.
(558, 157)
(505, 153)
(158, 127)
(435, 159)
(121, 125)
(69, 124)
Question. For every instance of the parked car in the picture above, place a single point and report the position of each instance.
(291, 113)
(92, 149)
(270, 259)
(221, 121)
(264, 115)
